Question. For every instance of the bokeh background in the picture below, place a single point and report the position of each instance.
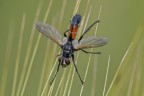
(26, 57)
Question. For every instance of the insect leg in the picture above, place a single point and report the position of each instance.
(55, 73)
(87, 30)
(66, 32)
(77, 69)
(90, 52)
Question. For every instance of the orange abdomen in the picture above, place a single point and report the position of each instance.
(73, 32)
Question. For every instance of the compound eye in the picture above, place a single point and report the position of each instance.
(60, 60)
(67, 61)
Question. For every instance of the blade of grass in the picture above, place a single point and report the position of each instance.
(51, 62)
(62, 13)
(90, 51)
(48, 10)
(33, 56)
(46, 55)
(132, 79)
(49, 77)
(61, 18)
(76, 7)
(90, 54)
(60, 83)
(106, 76)
(67, 81)
(94, 76)
(18, 54)
(72, 76)
(130, 68)
(138, 80)
(29, 49)
(51, 88)
(118, 69)
(45, 63)
(6, 63)
(31, 63)
(43, 69)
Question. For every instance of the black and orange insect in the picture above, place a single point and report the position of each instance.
(69, 44)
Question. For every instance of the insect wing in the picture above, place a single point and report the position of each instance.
(49, 32)
(65, 39)
(90, 42)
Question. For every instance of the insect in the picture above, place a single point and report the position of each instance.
(69, 44)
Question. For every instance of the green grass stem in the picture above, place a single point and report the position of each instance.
(18, 54)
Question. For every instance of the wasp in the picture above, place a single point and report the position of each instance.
(69, 44)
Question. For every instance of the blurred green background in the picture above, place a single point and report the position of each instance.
(119, 22)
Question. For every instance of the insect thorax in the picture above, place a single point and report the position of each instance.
(67, 50)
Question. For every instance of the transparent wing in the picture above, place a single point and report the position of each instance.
(49, 32)
(90, 42)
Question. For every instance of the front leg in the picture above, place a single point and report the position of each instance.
(90, 52)
(66, 32)
(55, 73)
(77, 69)
(87, 30)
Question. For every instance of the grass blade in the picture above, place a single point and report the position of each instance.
(18, 54)
(128, 78)
(28, 53)
(106, 76)
(6, 63)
